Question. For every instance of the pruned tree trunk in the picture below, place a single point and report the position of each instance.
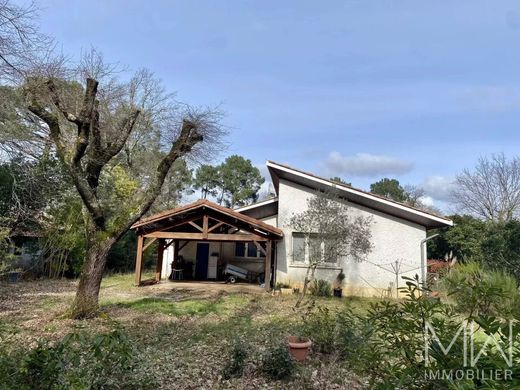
(95, 145)
(86, 302)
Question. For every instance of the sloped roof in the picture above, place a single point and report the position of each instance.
(201, 205)
(263, 209)
(357, 196)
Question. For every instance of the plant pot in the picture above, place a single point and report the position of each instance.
(338, 292)
(299, 347)
(287, 291)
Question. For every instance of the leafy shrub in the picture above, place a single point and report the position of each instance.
(501, 247)
(237, 360)
(277, 362)
(320, 288)
(476, 290)
(78, 361)
(320, 326)
(280, 285)
(351, 334)
(392, 351)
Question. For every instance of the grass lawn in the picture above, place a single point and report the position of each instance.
(185, 334)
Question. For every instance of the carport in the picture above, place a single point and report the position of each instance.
(203, 221)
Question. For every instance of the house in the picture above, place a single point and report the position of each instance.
(201, 238)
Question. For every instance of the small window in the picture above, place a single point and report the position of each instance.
(252, 250)
(330, 253)
(298, 247)
(247, 250)
(240, 249)
(315, 249)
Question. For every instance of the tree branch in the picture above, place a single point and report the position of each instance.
(85, 191)
(187, 139)
(57, 102)
(85, 118)
(99, 156)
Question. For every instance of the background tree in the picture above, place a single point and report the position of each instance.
(20, 39)
(234, 182)
(240, 181)
(178, 183)
(100, 128)
(339, 180)
(207, 180)
(501, 247)
(463, 240)
(492, 190)
(389, 188)
(409, 194)
(329, 232)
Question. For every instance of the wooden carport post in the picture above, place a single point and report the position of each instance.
(267, 277)
(139, 260)
(160, 255)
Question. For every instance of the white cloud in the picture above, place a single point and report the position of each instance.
(438, 187)
(427, 201)
(364, 164)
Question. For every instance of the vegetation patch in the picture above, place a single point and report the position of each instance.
(169, 307)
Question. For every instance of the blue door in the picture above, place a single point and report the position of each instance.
(201, 268)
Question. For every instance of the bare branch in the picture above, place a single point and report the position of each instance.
(492, 190)
(20, 39)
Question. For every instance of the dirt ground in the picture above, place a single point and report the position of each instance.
(185, 329)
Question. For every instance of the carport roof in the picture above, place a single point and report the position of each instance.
(201, 206)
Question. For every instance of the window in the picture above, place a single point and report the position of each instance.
(305, 248)
(298, 247)
(240, 249)
(247, 250)
(252, 250)
(330, 255)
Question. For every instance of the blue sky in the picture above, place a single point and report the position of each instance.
(415, 90)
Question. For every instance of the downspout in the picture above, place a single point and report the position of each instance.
(424, 266)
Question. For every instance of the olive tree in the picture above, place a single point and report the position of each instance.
(331, 233)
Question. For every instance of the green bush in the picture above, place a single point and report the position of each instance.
(78, 361)
(393, 343)
(500, 247)
(277, 362)
(351, 335)
(320, 326)
(320, 288)
(476, 290)
(236, 361)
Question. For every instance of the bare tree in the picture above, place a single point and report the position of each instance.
(328, 233)
(21, 42)
(492, 190)
(102, 130)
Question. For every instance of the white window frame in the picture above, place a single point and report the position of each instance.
(246, 247)
(323, 263)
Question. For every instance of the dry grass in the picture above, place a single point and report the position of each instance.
(185, 332)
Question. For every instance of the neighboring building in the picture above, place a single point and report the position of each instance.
(397, 231)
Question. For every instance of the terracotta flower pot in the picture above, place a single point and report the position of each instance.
(299, 347)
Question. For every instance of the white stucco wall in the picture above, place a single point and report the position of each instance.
(393, 240)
